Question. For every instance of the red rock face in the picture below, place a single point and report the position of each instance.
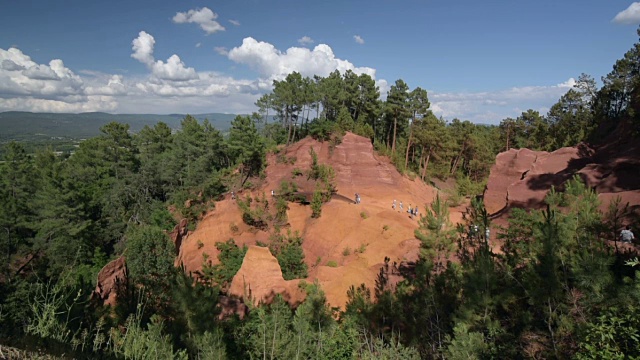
(178, 233)
(522, 178)
(111, 275)
(345, 246)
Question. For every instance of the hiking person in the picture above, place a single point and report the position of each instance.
(401, 205)
(273, 193)
(415, 211)
(626, 235)
(487, 233)
(233, 195)
(394, 204)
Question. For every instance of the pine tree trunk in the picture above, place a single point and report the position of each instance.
(389, 137)
(395, 126)
(406, 156)
(426, 163)
(420, 162)
(454, 167)
(289, 132)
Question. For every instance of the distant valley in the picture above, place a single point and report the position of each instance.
(38, 127)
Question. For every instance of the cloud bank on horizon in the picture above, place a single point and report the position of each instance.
(172, 86)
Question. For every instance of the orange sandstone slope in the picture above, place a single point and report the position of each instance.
(522, 178)
(331, 242)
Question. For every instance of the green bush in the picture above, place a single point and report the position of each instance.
(231, 257)
(316, 203)
(363, 129)
(281, 210)
(322, 129)
(288, 251)
(255, 211)
(361, 249)
(296, 172)
(332, 263)
(247, 185)
(466, 187)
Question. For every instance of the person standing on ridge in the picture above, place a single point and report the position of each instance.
(626, 235)
(394, 204)
(401, 206)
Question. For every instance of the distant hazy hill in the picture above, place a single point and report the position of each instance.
(21, 125)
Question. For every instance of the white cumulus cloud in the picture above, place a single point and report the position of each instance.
(9, 65)
(115, 86)
(143, 48)
(272, 63)
(234, 22)
(358, 39)
(305, 40)
(205, 18)
(221, 50)
(27, 85)
(630, 15)
(174, 69)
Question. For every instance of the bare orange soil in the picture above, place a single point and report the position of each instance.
(343, 228)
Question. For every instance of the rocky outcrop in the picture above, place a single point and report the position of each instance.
(110, 277)
(179, 232)
(345, 246)
(260, 279)
(522, 178)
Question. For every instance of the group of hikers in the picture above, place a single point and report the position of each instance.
(474, 232)
(413, 211)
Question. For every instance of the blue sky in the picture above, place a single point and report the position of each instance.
(480, 60)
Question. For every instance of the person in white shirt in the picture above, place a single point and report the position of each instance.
(626, 235)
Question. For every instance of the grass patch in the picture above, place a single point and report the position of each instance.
(332, 263)
(346, 251)
(296, 172)
(361, 249)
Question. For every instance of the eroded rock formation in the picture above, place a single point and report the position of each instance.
(522, 178)
(109, 278)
